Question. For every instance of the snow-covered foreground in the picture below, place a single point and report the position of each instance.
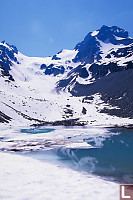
(23, 178)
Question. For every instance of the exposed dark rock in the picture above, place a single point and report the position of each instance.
(67, 122)
(122, 52)
(7, 74)
(54, 70)
(84, 111)
(55, 57)
(101, 70)
(71, 77)
(129, 65)
(67, 105)
(68, 111)
(83, 73)
(88, 49)
(43, 66)
(116, 89)
(109, 32)
(4, 118)
(108, 56)
(86, 99)
(7, 55)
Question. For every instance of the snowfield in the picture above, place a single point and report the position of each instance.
(24, 178)
(35, 100)
(34, 97)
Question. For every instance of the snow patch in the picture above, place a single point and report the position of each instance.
(94, 33)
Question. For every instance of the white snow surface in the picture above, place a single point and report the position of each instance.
(32, 94)
(94, 33)
(23, 178)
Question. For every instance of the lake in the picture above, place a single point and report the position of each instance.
(109, 153)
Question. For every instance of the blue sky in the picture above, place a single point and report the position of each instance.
(44, 27)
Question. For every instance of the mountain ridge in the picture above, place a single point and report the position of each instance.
(60, 83)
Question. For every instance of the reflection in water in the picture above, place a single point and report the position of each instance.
(114, 158)
(110, 157)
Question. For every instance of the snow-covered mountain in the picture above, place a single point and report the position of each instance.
(90, 84)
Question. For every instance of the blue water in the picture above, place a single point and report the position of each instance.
(37, 130)
(112, 159)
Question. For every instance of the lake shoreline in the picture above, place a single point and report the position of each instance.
(76, 122)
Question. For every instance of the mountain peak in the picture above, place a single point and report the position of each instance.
(89, 48)
(107, 32)
(8, 46)
(7, 55)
